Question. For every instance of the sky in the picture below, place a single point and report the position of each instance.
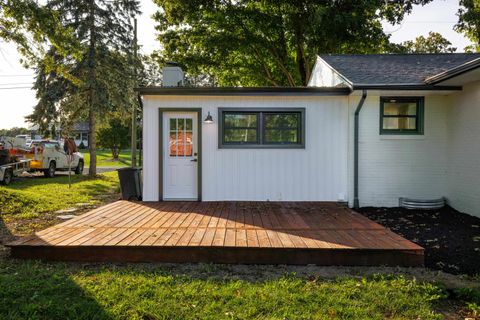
(439, 16)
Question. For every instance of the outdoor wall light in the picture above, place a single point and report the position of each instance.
(208, 119)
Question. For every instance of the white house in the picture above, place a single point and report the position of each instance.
(368, 130)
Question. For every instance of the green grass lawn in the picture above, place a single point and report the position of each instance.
(37, 290)
(29, 204)
(34, 290)
(33, 196)
(104, 158)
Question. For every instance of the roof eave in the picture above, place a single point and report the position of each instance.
(405, 87)
(243, 91)
(453, 72)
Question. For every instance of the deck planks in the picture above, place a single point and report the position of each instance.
(244, 232)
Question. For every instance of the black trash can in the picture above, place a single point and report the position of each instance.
(130, 183)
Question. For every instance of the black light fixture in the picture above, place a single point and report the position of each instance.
(209, 118)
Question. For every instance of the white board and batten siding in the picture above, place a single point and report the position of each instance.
(316, 173)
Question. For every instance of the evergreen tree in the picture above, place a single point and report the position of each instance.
(98, 78)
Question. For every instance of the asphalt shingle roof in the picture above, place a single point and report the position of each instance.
(391, 69)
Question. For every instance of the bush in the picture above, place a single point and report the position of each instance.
(114, 137)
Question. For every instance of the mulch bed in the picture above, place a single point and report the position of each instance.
(451, 239)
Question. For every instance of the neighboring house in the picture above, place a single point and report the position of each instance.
(418, 135)
(80, 132)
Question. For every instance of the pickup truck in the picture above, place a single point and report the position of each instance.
(48, 157)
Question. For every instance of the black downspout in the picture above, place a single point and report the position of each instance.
(140, 135)
(356, 203)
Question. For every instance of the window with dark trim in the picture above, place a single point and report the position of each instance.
(401, 115)
(262, 128)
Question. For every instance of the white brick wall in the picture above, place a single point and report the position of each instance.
(399, 166)
(464, 150)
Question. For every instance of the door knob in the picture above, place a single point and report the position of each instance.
(194, 160)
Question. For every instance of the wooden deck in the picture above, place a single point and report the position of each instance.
(222, 232)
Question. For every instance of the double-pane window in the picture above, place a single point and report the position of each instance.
(262, 128)
(401, 115)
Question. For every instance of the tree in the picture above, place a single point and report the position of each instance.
(13, 132)
(99, 78)
(115, 136)
(434, 43)
(272, 42)
(150, 73)
(33, 28)
(469, 22)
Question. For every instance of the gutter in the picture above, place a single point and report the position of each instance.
(245, 91)
(135, 138)
(454, 72)
(356, 203)
(405, 87)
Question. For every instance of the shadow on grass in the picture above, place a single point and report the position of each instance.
(97, 189)
(5, 235)
(34, 290)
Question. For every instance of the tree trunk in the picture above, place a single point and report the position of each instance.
(302, 63)
(115, 152)
(92, 143)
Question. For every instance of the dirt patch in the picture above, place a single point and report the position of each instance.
(451, 239)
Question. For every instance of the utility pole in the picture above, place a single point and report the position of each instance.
(134, 111)
(92, 140)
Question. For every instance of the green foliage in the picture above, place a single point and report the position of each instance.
(33, 28)
(254, 43)
(58, 291)
(150, 73)
(115, 136)
(86, 69)
(100, 76)
(434, 43)
(471, 297)
(469, 22)
(468, 294)
(29, 197)
(13, 132)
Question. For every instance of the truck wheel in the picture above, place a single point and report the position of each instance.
(50, 172)
(79, 168)
(7, 177)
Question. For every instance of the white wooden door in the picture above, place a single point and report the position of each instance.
(180, 156)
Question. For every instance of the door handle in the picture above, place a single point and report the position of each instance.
(194, 160)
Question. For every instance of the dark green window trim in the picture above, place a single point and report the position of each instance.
(260, 143)
(419, 117)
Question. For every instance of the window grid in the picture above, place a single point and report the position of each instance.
(182, 133)
(419, 101)
(261, 128)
